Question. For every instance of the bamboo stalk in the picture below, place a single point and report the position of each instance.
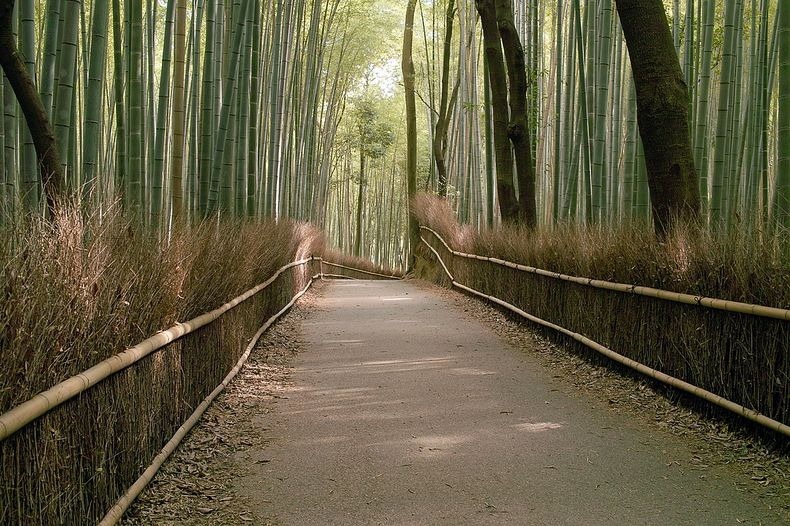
(26, 412)
(678, 297)
(664, 378)
(116, 512)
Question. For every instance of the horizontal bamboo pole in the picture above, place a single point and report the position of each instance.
(677, 383)
(678, 297)
(337, 276)
(388, 276)
(439, 258)
(26, 412)
(116, 512)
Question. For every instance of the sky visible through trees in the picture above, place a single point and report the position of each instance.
(189, 109)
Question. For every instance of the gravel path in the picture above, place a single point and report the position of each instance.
(403, 407)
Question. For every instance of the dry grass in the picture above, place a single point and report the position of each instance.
(84, 288)
(743, 358)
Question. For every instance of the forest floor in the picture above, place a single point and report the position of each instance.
(410, 404)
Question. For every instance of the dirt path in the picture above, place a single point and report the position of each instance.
(402, 410)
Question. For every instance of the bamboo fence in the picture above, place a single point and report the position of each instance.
(699, 392)
(678, 297)
(23, 414)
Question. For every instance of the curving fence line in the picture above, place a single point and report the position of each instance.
(678, 297)
(33, 409)
(701, 393)
(366, 272)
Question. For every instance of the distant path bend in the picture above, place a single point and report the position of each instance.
(405, 411)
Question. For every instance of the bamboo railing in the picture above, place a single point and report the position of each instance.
(677, 383)
(678, 297)
(23, 414)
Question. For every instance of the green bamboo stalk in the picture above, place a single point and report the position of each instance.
(781, 200)
(179, 111)
(721, 169)
(253, 131)
(30, 182)
(701, 142)
(229, 87)
(207, 119)
(49, 62)
(601, 110)
(10, 143)
(195, 112)
(94, 100)
(162, 113)
(64, 100)
(121, 166)
(136, 91)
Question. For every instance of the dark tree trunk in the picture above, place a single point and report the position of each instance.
(443, 121)
(407, 66)
(662, 112)
(29, 101)
(517, 130)
(508, 205)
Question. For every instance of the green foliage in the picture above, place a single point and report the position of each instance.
(375, 135)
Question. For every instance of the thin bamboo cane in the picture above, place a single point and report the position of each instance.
(26, 412)
(678, 297)
(388, 276)
(677, 383)
(114, 515)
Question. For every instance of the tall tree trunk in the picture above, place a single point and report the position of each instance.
(35, 115)
(442, 123)
(508, 205)
(407, 66)
(662, 112)
(517, 130)
(489, 150)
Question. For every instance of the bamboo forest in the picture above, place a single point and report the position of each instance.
(605, 182)
(292, 109)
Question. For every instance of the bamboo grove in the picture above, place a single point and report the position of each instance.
(583, 111)
(186, 108)
(246, 108)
